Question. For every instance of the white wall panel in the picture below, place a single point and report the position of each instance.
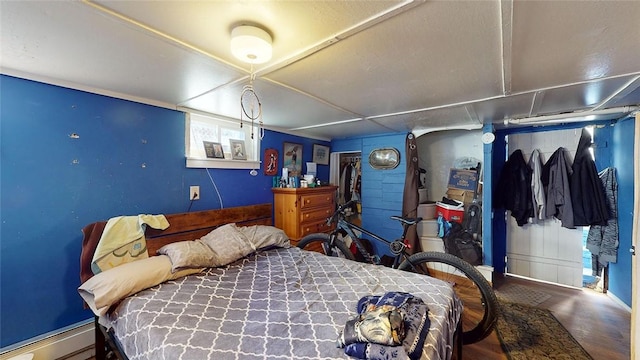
(545, 251)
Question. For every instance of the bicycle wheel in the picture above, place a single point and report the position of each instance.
(321, 243)
(480, 305)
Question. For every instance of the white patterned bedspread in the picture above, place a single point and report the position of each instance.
(276, 304)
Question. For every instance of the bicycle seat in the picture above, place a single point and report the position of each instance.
(407, 221)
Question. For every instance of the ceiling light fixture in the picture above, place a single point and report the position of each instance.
(252, 45)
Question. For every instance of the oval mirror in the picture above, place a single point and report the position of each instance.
(384, 158)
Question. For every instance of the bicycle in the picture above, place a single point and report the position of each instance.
(480, 305)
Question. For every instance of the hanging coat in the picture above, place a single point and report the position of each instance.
(556, 178)
(603, 240)
(537, 189)
(587, 192)
(513, 191)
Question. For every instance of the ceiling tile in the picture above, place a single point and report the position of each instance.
(437, 53)
(451, 117)
(128, 60)
(563, 42)
(497, 110)
(346, 130)
(280, 106)
(293, 25)
(580, 96)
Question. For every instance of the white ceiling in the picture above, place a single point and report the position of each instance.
(340, 68)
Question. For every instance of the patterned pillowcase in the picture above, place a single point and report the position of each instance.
(189, 254)
(107, 288)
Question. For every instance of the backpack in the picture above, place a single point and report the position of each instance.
(459, 242)
(472, 221)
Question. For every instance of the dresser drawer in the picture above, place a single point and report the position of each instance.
(314, 200)
(316, 214)
(314, 227)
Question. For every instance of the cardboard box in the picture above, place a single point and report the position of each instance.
(461, 195)
(463, 180)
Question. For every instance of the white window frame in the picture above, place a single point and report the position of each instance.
(253, 157)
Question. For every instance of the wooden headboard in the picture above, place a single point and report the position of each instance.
(183, 226)
(194, 225)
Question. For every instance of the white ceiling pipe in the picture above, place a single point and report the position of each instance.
(576, 116)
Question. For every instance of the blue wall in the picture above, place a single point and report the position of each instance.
(487, 202)
(620, 273)
(128, 159)
(381, 189)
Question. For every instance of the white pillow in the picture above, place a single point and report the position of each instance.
(105, 289)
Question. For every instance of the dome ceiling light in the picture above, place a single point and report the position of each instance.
(251, 44)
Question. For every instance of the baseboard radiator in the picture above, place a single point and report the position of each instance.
(75, 342)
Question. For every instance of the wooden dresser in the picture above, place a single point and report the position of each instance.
(303, 211)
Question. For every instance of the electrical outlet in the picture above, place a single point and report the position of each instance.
(194, 192)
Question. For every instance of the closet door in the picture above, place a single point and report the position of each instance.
(545, 251)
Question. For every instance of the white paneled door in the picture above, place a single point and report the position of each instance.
(545, 251)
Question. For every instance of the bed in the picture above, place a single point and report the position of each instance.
(278, 302)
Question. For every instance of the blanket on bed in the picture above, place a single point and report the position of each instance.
(275, 304)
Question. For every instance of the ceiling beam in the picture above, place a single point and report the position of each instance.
(506, 17)
(536, 102)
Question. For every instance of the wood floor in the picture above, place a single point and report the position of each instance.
(599, 324)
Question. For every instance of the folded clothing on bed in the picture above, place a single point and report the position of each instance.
(123, 240)
(391, 326)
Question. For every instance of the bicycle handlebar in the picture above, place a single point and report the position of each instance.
(340, 210)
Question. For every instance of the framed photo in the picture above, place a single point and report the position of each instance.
(270, 161)
(320, 154)
(213, 150)
(237, 150)
(292, 155)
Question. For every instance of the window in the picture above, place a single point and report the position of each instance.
(202, 128)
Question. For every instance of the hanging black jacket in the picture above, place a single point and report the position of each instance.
(556, 179)
(587, 193)
(513, 191)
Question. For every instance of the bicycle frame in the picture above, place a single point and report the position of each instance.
(349, 228)
(464, 278)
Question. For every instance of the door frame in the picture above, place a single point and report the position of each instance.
(635, 301)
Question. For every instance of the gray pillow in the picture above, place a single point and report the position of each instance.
(228, 243)
(262, 236)
(189, 254)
